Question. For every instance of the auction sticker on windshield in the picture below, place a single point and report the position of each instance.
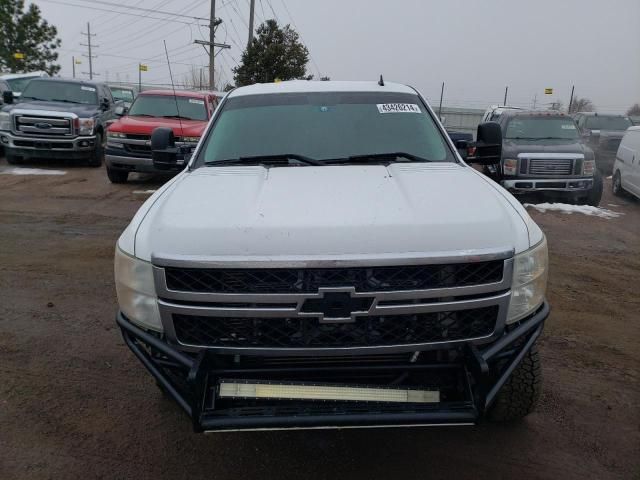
(196, 101)
(88, 89)
(398, 108)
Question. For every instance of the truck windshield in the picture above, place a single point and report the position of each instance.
(122, 94)
(325, 126)
(56, 91)
(538, 128)
(607, 123)
(18, 84)
(165, 106)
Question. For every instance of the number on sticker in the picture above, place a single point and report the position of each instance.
(398, 108)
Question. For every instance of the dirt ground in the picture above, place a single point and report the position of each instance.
(76, 404)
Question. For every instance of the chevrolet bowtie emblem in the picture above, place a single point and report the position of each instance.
(336, 306)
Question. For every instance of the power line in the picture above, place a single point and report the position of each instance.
(146, 10)
(298, 30)
(59, 2)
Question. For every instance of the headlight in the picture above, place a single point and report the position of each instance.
(588, 167)
(85, 126)
(5, 121)
(529, 281)
(136, 291)
(510, 166)
(116, 135)
(189, 139)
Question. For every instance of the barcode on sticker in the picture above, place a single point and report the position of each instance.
(398, 108)
(196, 101)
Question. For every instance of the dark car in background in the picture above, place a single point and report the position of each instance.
(57, 119)
(603, 134)
(543, 153)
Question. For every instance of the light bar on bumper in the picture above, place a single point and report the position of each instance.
(293, 391)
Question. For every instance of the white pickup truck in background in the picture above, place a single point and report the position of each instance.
(326, 259)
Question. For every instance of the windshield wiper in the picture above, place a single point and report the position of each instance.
(140, 115)
(34, 98)
(64, 100)
(273, 159)
(177, 116)
(377, 157)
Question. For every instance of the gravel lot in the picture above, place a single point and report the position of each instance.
(76, 404)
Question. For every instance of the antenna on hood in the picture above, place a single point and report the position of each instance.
(381, 81)
(174, 88)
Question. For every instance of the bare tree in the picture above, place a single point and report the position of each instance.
(581, 105)
(634, 110)
(557, 105)
(197, 78)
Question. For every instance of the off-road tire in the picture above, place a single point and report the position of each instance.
(521, 393)
(117, 176)
(97, 156)
(12, 159)
(595, 194)
(616, 185)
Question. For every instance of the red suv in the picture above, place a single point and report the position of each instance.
(129, 138)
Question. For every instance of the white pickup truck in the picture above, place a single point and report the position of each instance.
(326, 259)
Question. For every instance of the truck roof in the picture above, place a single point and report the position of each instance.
(535, 113)
(69, 80)
(179, 93)
(304, 86)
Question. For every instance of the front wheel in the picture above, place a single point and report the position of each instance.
(616, 185)
(97, 156)
(595, 194)
(12, 159)
(117, 176)
(521, 393)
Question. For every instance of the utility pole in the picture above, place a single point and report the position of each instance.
(212, 39)
(251, 17)
(89, 46)
(73, 63)
(535, 101)
(573, 87)
(213, 23)
(440, 107)
(506, 91)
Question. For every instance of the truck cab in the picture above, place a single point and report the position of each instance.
(129, 138)
(543, 153)
(327, 259)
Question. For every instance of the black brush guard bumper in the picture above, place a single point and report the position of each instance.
(191, 380)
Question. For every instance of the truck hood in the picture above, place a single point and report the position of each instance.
(511, 148)
(355, 211)
(146, 125)
(81, 110)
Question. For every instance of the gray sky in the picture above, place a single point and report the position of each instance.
(475, 47)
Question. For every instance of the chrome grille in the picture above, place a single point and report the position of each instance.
(307, 333)
(42, 125)
(307, 310)
(292, 280)
(550, 166)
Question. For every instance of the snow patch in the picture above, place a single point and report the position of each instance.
(567, 208)
(143, 192)
(30, 171)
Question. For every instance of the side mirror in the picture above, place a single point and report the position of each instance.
(166, 156)
(488, 144)
(104, 104)
(7, 97)
(121, 111)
